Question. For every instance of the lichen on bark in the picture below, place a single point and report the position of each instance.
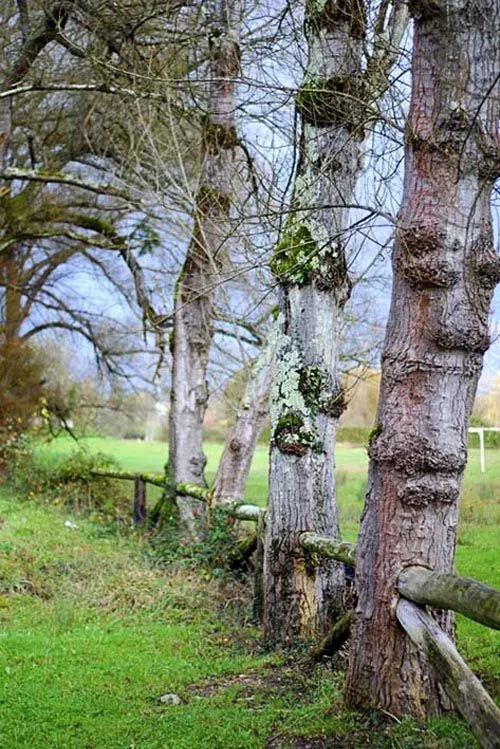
(293, 429)
(300, 392)
(320, 393)
(306, 254)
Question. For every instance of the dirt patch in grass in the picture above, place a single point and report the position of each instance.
(313, 742)
(274, 681)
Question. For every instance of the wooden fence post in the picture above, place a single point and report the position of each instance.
(258, 585)
(140, 509)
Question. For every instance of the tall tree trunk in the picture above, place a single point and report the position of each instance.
(445, 269)
(194, 296)
(301, 597)
(240, 444)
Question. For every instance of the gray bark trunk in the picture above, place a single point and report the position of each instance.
(301, 598)
(240, 444)
(194, 297)
(445, 269)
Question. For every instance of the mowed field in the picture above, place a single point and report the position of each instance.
(480, 498)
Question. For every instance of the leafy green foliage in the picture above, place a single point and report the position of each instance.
(67, 481)
(212, 553)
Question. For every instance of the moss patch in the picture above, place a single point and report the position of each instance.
(293, 436)
(329, 14)
(295, 259)
(335, 102)
(320, 395)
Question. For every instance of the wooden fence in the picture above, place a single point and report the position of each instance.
(418, 587)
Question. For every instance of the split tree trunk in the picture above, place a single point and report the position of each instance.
(194, 296)
(234, 465)
(301, 597)
(445, 269)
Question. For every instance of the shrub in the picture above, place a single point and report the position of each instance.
(67, 481)
(215, 552)
(21, 381)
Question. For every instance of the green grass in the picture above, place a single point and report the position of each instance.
(92, 633)
(478, 547)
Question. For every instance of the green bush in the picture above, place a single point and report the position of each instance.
(67, 481)
(213, 552)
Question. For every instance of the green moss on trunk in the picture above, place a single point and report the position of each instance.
(329, 14)
(293, 436)
(335, 102)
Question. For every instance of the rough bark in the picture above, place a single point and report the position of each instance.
(468, 597)
(465, 690)
(234, 465)
(194, 296)
(302, 598)
(445, 269)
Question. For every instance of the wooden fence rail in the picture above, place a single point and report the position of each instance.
(342, 551)
(469, 597)
(149, 478)
(239, 510)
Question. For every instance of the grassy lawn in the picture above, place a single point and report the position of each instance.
(93, 631)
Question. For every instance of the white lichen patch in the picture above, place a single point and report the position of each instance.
(285, 393)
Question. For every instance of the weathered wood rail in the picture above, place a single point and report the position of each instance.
(342, 551)
(462, 686)
(469, 597)
(239, 510)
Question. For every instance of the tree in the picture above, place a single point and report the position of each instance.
(239, 447)
(200, 275)
(335, 102)
(63, 211)
(445, 269)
